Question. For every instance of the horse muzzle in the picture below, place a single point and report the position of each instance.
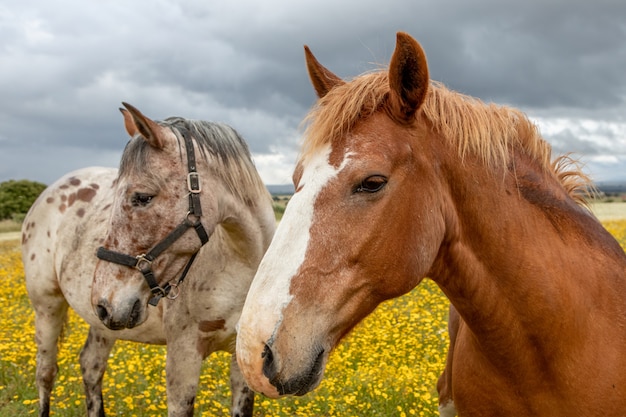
(302, 383)
(126, 316)
(275, 371)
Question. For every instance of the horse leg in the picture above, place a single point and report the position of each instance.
(93, 362)
(444, 384)
(50, 317)
(243, 396)
(182, 368)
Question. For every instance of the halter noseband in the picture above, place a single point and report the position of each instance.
(143, 262)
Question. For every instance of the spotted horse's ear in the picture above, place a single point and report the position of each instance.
(408, 77)
(322, 79)
(136, 123)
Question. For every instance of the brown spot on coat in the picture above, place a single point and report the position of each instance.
(80, 212)
(211, 325)
(71, 199)
(74, 181)
(62, 208)
(86, 194)
(94, 186)
(50, 200)
(32, 257)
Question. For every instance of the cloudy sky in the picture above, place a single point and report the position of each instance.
(65, 66)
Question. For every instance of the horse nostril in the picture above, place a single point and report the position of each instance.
(296, 384)
(135, 313)
(269, 367)
(102, 312)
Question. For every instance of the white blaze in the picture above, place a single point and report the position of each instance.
(285, 255)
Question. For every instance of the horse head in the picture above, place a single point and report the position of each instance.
(335, 255)
(159, 221)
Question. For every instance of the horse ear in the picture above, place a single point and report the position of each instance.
(408, 76)
(147, 128)
(322, 79)
(129, 124)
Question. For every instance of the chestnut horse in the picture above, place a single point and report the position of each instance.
(400, 178)
(130, 211)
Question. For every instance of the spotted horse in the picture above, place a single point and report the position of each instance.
(189, 207)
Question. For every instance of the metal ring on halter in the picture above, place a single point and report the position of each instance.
(174, 291)
(143, 261)
(191, 215)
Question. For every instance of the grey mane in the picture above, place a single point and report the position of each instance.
(220, 145)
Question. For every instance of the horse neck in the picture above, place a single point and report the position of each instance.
(248, 225)
(518, 250)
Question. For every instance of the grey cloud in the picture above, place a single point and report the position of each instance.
(67, 65)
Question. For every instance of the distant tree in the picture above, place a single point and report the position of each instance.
(16, 197)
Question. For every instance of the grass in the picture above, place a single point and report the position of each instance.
(387, 367)
(609, 210)
(10, 226)
(279, 203)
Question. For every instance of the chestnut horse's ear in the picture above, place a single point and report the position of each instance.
(408, 77)
(322, 79)
(135, 122)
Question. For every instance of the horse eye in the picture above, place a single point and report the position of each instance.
(141, 199)
(372, 184)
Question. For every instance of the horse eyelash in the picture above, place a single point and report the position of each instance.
(141, 199)
(361, 189)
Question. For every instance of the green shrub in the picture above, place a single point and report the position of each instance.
(16, 197)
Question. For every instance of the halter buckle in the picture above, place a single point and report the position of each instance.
(143, 263)
(157, 294)
(158, 291)
(193, 183)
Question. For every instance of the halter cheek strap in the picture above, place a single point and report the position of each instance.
(143, 262)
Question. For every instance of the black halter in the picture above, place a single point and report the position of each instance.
(143, 262)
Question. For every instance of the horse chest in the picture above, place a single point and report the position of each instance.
(206, 309)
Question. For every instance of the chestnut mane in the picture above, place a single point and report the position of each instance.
(485, 130)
